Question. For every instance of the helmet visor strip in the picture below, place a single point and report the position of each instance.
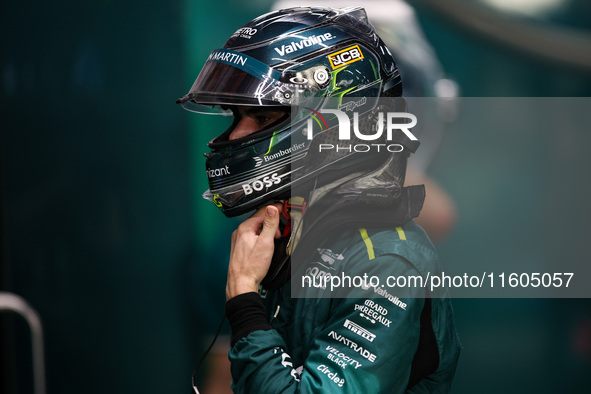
(233, 78)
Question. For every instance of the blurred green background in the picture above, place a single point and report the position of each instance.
(105, 234)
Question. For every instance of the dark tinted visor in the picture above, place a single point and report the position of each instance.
(232, 78)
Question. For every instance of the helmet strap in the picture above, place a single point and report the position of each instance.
(291, 221)
(293, 210)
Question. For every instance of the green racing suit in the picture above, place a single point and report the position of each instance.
(363, 337)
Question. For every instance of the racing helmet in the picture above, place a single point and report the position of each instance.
(300, 60)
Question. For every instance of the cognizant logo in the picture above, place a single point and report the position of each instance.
(393, 121)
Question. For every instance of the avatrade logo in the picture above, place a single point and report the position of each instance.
(305, 43)
(345, 56)
(245, 32)
(345, 130)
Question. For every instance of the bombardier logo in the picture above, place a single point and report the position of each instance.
(345, 56)
(277, 155)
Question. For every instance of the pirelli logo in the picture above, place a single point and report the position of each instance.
(357, 329)
(345, 56)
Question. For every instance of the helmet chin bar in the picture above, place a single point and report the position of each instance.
(222, 140)
(249, 173)
(237, 200)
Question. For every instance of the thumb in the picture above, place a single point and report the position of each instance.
(270, 222)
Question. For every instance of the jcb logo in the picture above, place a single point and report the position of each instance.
(345, 56)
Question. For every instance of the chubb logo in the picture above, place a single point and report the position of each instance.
(393, 121)
(261, 184)
(345, 56)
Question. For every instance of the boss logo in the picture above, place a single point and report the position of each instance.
(345, 56)
(260, 184)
